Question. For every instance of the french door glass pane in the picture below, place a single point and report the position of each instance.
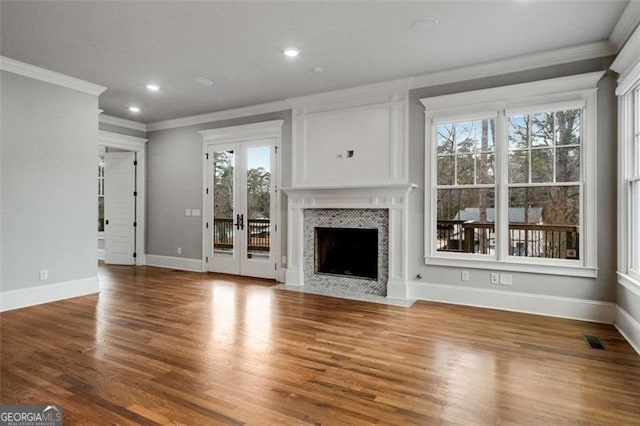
(223, 171)
(258, 220)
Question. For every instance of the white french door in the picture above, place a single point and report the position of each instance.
(240, 208)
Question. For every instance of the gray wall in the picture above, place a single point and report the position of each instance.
(48, 173)
(602, 288)
(174, 183)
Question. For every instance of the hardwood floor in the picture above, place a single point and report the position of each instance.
(162, 346)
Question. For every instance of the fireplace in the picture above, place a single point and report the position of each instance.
(346, 250)
(350, 252)
(381, 208)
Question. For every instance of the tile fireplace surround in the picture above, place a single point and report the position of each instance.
(381, 207)
(346, 218)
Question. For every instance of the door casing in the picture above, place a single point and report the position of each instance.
(132, 143)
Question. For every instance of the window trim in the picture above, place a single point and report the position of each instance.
(563, 92)
(628, 103)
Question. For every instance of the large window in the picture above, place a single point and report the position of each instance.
(630, 151)
(509, 181)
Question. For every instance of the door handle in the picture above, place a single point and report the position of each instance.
(237, 222)
(106, 222)
(242, 221)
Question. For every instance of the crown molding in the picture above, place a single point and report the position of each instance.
(122, 122)
(48, 76)
(219, 115)
(520, 63)
(627, 64)
(625, 26)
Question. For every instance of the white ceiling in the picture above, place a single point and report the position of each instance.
(124, 45)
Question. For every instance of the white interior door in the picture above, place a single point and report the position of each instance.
(119, 208)
(240, 210)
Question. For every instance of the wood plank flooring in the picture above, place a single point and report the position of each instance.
(168, 347)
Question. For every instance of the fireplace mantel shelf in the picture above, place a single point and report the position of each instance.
(381, 187)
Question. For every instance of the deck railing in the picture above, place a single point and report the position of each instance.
(258, 231)
(529, 240)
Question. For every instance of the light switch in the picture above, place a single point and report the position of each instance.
(187, 212)
(195, 212)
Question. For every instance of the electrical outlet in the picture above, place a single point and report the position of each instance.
(179, 250)
(505, 279)
(195, 212)
(284, 260)
(187, 212)
(465, 275)
(44, 274)
(495, 278)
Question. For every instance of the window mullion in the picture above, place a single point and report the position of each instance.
(502, 181)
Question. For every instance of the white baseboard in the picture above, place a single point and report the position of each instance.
(181, 263)
(553, 306)
(21, 298)
(100, 254)
(629, 327)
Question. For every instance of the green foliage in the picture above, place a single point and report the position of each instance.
(258, 188)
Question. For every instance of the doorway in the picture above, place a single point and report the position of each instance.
(240, 203)
(121, 195)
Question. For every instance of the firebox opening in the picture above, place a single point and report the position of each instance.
(351, 252)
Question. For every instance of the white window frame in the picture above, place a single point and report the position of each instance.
(546, 95)
(628, 92)
(631, 142)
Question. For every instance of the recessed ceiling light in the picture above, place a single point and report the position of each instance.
(204, 81)
(291, 52)
(134, 109)
(317, 69)
(153, 87)
(423, 24)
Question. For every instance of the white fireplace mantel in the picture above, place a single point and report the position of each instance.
(393, 197)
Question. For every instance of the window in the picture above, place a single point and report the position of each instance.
(544, 184)
(101, 195)
(630, 150)
(466, 186)
(627, 65)
(508, 187)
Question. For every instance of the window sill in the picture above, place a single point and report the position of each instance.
(630, 283)
(576, 270)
